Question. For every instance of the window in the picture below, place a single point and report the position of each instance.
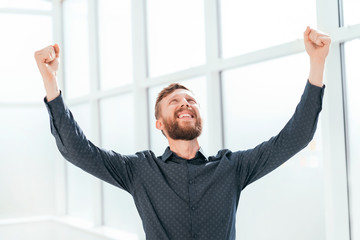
(76, 47)
(351, 10)
(117, 123)
(27, 4)
(25, 168)
(26, 174)
(253, 25)
(19, 76)
(352, 53)
(115, 43)
(175, 42)
(117, 133)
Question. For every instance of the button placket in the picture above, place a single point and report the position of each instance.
(192, 199)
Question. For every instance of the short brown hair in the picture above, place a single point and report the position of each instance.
(165, 92)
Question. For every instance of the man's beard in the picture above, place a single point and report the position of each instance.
(178, 132)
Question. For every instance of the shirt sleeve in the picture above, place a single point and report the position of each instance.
(73, 145)
(297, 133)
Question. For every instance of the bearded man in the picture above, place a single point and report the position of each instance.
(184, 194)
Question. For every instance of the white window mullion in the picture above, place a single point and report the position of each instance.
(139, 36)
(212, 37)
(94, 105)
(335, 179)
(345, 34)
(61, 173)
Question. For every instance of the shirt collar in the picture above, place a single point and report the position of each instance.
(168, 153)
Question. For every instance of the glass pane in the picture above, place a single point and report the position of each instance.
(27, 167)
(352, 53)
(117, 124)
(117, 133)
(20, 79)
(27, 4)
(351, 9)
(120, 211)
(258, 101)
(252, 25)
(80, 184)
(176, 35)
(76, 46)
(158, 141)
(115, 43)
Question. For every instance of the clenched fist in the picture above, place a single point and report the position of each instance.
(317, 44)
(47, 60)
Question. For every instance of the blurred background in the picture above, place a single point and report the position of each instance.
(246, 63)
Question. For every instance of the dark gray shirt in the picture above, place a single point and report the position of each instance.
(181, 199)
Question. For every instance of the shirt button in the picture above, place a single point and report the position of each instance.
(191, 182)
(193, 208)
(195, 235)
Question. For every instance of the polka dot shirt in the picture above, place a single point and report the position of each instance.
(181, 199)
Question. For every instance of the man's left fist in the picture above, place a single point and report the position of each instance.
(317, 44)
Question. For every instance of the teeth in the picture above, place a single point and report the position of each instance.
(185, 115)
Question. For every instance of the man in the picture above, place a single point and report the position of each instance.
(184, 194)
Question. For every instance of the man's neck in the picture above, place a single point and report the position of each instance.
(184, 149)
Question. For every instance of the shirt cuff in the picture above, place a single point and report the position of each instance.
(55, 107)
(315, 93)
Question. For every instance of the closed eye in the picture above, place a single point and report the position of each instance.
(173, 101)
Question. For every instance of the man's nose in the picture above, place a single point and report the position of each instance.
(184, 103)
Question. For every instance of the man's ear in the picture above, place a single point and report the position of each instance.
(159, 125)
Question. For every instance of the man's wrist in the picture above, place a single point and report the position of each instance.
(317, 66)
(316, 77)
(317, 62)
(52, 89)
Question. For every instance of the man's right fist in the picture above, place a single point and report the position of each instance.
(47, 60)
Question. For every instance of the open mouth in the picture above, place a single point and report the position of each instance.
(185, 115)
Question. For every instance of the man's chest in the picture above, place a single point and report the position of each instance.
(188, 183)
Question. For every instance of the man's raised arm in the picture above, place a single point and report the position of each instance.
(317, 46)
(47, 60)
(72, 143)
(300, 129)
